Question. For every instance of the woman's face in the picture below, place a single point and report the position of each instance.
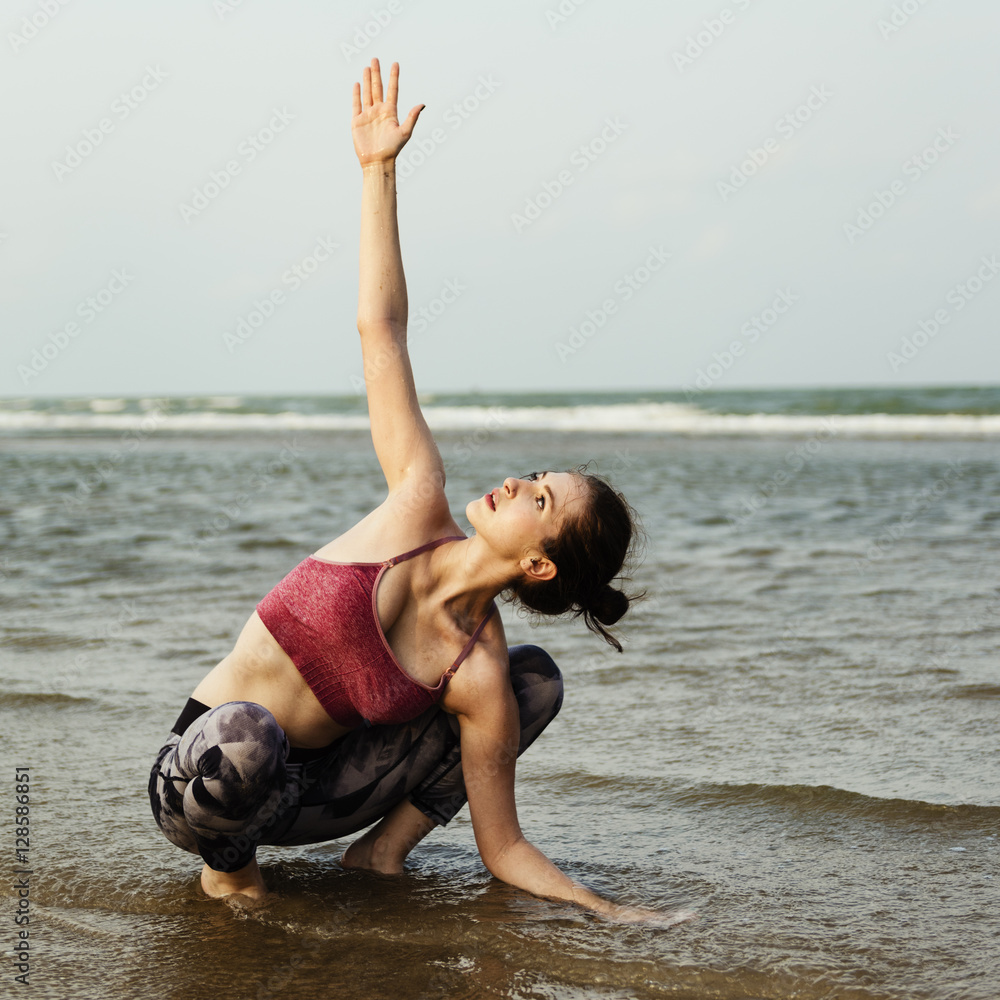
(517, 517)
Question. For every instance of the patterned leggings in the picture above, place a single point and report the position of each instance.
(227, 785)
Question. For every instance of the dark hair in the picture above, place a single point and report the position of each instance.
(588, 553)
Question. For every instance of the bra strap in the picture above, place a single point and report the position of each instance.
(449, 673)
(423, 548)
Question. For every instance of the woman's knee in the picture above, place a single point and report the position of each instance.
(242, 724)
(238, 751)
(537, 682)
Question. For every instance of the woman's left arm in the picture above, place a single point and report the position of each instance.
(489, 742)
(489, 749)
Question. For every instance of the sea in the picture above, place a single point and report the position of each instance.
(799, 742)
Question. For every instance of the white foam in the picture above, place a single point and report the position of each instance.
(650, 418)
(677, 418)
(107, 405)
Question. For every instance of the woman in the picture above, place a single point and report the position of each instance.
(326, 716)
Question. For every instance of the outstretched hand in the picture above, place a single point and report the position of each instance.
(651, 918)
(378, 135)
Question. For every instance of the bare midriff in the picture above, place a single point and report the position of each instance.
(259, 670)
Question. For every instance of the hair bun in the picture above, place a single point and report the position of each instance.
(609, 605)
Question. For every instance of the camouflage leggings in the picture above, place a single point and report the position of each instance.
(227, 785)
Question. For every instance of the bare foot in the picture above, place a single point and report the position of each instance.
(247, 881)
(385, 846)
(366, 852)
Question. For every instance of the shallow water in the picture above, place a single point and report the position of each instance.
(799, 743)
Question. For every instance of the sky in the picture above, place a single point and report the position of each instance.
(598, 195)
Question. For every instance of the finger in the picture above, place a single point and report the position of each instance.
(376, 83)
(393, 92)
(411, 120)
(357, 100)
(366, 97)
(672, 917)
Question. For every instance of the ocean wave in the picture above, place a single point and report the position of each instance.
(32, 699)
(976, 692)
(794, 798)
(651, 418)
(850, 805)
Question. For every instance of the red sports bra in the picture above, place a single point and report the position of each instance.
(324, 616)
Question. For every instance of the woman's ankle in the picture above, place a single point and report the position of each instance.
(248, 881)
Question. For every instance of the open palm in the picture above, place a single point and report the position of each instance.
(378, 135)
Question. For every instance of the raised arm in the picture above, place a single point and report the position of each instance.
(402, 439)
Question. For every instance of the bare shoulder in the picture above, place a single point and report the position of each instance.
(481, 686)
(407, 518)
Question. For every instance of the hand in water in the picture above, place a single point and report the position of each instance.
(650, 918)
(378, 136)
